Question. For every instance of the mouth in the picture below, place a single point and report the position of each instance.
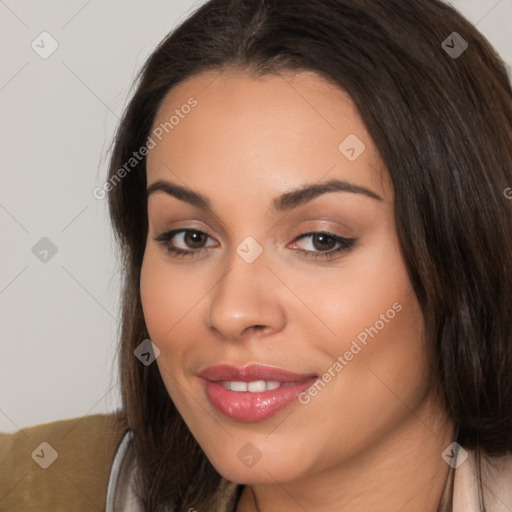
(253, 393)
(255, 386)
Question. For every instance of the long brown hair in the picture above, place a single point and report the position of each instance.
(442, 124)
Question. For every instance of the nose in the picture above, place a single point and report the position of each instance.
(246, 301)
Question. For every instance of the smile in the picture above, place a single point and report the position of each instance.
(256, 386)
(252, 393)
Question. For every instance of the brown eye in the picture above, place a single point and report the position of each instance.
(192, 242)
(194, 239)
(322, 244)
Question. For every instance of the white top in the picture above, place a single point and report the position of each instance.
(496, 474)
(120, 494)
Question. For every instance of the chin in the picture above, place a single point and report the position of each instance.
(248, 465)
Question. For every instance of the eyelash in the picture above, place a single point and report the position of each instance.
(346, 244)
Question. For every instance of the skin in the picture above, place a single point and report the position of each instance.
(372, 438)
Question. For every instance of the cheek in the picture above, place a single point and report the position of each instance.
(165, 303)
(155, 301)
(384, 361)
(169, 293)
(376, 326)
(371, 288)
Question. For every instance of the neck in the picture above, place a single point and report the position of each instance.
(401, 471)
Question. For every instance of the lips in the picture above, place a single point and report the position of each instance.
(251, 373)
(254, 392)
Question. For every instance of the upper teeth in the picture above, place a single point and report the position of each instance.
(256, 386)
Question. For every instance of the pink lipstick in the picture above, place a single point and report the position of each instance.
(253, 393)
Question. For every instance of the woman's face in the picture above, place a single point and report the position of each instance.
(258, 295)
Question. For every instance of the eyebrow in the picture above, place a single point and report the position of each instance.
(285, 202)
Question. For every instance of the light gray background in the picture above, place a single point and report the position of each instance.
(59, 318)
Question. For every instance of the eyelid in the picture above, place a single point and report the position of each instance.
(345, 245)
(166, 236)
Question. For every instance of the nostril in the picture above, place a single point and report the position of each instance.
(257, 328)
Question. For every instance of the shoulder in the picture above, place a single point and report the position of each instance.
(496, 474)
(63, 465)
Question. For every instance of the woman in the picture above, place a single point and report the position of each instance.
(310, 200)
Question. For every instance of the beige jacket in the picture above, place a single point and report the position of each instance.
(63, 466)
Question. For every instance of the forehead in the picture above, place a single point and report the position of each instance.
(275, 130)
